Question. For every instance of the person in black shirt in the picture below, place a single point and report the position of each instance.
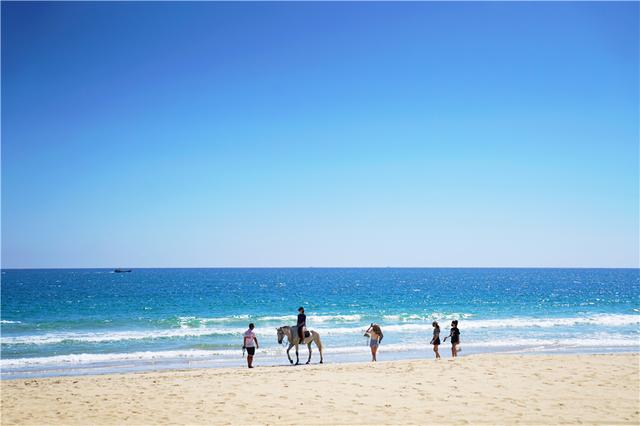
(302, 323)
(455, 338)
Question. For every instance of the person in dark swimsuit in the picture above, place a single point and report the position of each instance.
(435, 341)
(302, 323)
(455, 338)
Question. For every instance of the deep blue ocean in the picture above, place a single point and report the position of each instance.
(88, 321)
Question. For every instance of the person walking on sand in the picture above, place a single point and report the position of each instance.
(435, 341)
(374, 333)
(250, 343)
(455, 338)
(302, 324)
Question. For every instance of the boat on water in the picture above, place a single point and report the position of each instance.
(120, 270)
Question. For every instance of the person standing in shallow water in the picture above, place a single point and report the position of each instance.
(374, 332)
(435, 341)
(455, 338)
(302, 324)
(250, 343)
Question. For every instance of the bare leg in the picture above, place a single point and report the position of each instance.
(374, 351)
(435, 349)
(250, 361)
(454, 352)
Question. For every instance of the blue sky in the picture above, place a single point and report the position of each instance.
(320, 134)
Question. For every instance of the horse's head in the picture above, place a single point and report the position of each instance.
(280, 335)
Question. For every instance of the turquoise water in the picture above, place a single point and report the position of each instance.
(86, 321)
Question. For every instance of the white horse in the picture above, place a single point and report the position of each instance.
(294, 340)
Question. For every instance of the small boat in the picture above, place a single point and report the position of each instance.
(120, 270)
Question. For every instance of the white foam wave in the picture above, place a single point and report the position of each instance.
(10, 322)
(327, 318)
(592, 341)
(604, 320)
(53, 338)
(232, 318)
(607, 320)
(603, 341)
(193, 322)
(283, 318)
(391, 317)
(287, 319)
(182, 332)
(110, 357)
(434, 316)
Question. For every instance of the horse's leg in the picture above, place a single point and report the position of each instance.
(288, 349)
(309, 346)
(297, 359)
(319, 345)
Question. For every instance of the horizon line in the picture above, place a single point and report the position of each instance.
(321, 267)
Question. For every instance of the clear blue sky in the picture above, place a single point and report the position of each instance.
(320, 134)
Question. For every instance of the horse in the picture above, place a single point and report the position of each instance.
(294, 340)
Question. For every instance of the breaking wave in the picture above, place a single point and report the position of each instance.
(325, 329)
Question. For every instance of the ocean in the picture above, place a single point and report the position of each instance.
(93, 321)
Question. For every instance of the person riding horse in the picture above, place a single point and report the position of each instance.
(302, 323)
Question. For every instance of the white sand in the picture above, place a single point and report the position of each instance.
(498, 389)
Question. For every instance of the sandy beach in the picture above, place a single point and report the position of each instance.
(498, 389)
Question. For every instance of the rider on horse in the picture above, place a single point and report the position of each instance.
(302, 324)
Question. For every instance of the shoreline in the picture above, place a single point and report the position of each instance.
(484, 388)
(160, 364)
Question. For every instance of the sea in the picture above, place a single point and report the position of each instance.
(94, 321)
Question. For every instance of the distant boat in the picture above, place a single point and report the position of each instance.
(120, 270)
